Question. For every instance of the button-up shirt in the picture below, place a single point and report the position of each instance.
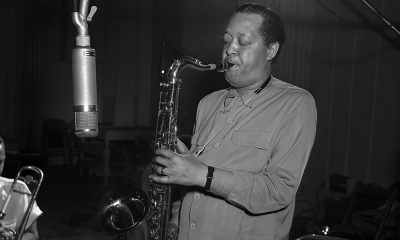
(265, 147)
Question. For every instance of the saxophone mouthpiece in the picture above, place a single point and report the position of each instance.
(221, 66)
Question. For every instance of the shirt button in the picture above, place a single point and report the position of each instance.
(217, 145)
(196, 196)
(192, 226)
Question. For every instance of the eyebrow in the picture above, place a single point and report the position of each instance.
(241, 33)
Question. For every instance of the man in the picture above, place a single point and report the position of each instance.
(250, 145)
(16, 207)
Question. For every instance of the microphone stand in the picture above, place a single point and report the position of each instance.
(80, 19)
(380, 15)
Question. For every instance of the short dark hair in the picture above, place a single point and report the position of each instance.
(272, 29)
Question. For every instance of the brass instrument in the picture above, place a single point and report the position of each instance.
(34, 180)
(119, 215)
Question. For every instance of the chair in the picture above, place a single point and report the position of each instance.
(91, 153)
(54, 145)
(394, 195)
(370, 214)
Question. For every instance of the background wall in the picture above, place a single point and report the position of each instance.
(338, 50)
(346, 57)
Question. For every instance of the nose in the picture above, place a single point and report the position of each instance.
(231, 48)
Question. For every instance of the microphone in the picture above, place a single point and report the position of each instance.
(84, 75)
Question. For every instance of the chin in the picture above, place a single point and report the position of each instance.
(230, 79)
(232, 82)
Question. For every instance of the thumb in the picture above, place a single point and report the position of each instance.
(182, 147)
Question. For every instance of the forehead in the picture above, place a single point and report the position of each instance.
(244, 23)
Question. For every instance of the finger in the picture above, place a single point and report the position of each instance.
(164, 152)
(159, 178)
(161, 170)
(182, 147)
(157, 169)
(163, 161)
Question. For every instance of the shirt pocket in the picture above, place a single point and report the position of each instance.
(252, 138)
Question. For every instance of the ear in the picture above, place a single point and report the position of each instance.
(272, 50)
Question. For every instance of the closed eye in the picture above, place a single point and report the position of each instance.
(227, 38)
(244, 42)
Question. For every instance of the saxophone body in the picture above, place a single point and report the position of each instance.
(155, 206)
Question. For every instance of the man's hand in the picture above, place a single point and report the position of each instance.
(6, 233)
(179, 168)
(172, 231)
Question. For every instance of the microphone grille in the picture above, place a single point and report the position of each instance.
(86, 124)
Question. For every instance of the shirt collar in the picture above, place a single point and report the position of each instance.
(232, 93)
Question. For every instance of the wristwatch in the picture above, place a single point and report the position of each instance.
(210, 177)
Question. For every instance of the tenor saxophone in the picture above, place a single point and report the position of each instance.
(166, 138)
(155, 206)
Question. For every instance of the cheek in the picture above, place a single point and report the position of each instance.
(247, 56)
(249, 62)
(254, 60)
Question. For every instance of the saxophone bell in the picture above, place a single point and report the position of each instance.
(125, 209)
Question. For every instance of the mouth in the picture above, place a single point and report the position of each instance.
(229, 65)
(232, 65)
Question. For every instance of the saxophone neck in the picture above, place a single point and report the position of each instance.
(190, 62)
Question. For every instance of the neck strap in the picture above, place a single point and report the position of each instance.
(265, 83)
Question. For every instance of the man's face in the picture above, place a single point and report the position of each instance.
(244, 47)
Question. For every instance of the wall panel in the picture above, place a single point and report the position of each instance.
(349, 60)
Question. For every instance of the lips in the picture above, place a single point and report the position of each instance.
(232, 64)
(235, 66)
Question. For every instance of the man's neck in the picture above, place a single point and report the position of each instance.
(254, 87)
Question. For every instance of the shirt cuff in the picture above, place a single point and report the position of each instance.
(221, 183)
